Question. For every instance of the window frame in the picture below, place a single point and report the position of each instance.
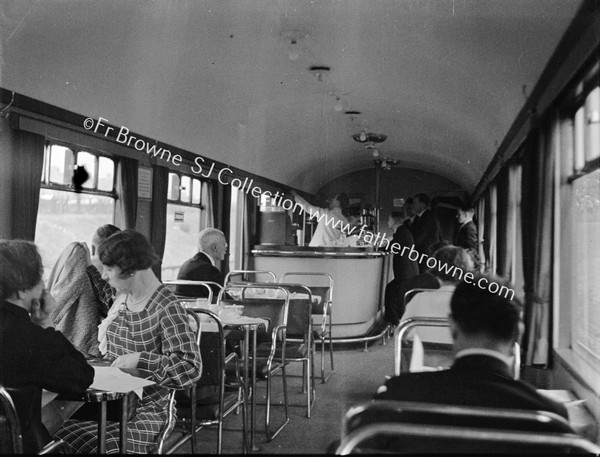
(45, 178)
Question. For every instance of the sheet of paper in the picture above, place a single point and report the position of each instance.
(47, 397)
(112, 379)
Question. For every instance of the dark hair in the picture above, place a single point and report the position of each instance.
(106, 230)
(397, 215)
(477, 310)
(439, 245)
(409, 201)
(20, 267)
(129, 250)
(467, 208)
(449, 259)
(424, 198)
(343, 199)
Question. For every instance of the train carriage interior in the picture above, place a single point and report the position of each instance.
(170, 117)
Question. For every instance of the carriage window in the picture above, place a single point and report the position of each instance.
(184, 222)
(581, 141)
(64, 215)
(585, 283)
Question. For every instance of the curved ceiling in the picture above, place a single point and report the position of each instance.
(442, 78)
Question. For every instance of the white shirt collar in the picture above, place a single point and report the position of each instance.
(209, 258)
(488, 352)
(421, 213)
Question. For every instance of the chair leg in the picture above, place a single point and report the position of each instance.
(309, 387)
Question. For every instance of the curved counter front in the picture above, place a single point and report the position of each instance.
(359, 279)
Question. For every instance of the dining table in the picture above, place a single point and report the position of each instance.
(110, 384)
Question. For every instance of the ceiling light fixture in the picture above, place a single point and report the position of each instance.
(364, 137)
(319, 71)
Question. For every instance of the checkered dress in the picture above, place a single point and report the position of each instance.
(162, 334)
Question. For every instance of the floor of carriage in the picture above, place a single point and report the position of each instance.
(356, 378)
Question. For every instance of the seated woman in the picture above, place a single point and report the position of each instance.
(146, 328)
(78, 311)
(33, 356)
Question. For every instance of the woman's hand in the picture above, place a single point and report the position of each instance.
(127, 360)
(42, 309)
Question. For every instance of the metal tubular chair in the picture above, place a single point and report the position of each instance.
(11, 439)
(270, 354)
(208, 285)
(322, 331)
(244, 274)
(299, 340)
(411, 322)
(461, 420)
(196, 412)
(462, 440)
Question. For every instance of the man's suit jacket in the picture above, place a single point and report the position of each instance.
(198, 268)
(404, 268)
(426, 231)
(473, 380)
(467, 236)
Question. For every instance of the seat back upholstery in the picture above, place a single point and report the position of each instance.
(430, 415)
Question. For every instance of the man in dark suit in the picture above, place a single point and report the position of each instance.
(484, 327)
(203, 266)
(410, 213)
(404, 268)
(466, 237)
(425, 228)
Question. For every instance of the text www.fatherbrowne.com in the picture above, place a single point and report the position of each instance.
(224, 176)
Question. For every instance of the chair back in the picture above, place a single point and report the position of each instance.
(411, 322)
(436, 439)
(244, 275)
(11, 440)
(324, 289)
(273, 309)
(299, 323)
(409, 294)
(184, 289)
(431, 415)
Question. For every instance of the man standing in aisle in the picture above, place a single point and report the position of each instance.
(466, 237)
(203, 266)
(425, 228)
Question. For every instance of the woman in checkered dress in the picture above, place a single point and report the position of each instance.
(146, 328)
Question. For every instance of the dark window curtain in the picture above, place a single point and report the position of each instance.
(158, 229)
(487, 229)
(536, 216)
(250, 230)
(127, 182)
(28, 149)
(503, 249)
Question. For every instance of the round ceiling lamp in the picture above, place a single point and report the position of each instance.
(319, 71)
(367, 137)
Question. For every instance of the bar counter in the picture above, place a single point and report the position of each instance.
(359, 278)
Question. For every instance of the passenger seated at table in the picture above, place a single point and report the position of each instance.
(78, 310)
(452, 263)
(484, 328)
(105, 294)
(33, 355)
(147, 329)
(203, 266)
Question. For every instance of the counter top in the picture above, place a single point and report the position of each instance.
(316, 251)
